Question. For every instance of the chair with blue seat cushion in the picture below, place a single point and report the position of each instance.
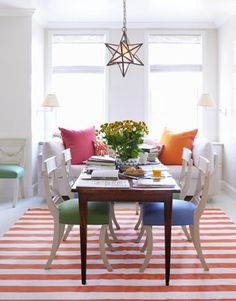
(66, 212)
(184, 183)
(185, 213)
(12, 164)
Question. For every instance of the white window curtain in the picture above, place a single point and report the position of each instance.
(175, 81)
(78, 79)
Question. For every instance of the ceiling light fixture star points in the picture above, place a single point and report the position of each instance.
(124, 53)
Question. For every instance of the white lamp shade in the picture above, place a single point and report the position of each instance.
(51, 101)
(206, 101)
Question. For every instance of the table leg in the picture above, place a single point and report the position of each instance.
(168, 223)
(83, 207)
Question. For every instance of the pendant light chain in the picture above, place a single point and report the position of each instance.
(124, 16)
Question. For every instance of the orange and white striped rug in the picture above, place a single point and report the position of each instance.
(25, 248)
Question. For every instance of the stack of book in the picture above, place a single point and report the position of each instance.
(151, 150)
(105, 174)
(100, 162)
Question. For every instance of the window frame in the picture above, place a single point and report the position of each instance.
(147, 68)
(48, 60)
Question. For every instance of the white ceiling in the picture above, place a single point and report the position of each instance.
(110, 12)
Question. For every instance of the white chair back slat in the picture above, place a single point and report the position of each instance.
(200, 196)
(186, 172)
(12, 151)
(66, 172)
(52, 194)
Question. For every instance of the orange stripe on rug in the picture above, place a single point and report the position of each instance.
(25, 248)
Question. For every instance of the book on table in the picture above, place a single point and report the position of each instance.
(101, 161)
(162, 182)
(90, 168)
(151, 150)
(105, 174)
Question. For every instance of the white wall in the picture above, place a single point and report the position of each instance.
(227, 101)
(15, 86)
(210, 77)
(37, 113)
(126, 95)
(22, 88)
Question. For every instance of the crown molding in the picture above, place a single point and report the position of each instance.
(130, 25)
(16, 12)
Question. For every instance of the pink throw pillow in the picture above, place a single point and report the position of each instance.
(80, 143)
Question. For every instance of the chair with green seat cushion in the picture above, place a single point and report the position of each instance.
(69, 181)
(67, 213)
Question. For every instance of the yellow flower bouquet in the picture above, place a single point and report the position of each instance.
(123, 137)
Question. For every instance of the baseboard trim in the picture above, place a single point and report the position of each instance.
(228, 189)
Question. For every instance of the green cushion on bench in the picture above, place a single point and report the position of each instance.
(11, 171)
(98, 212)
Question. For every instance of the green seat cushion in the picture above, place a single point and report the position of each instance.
(176, 195)
(98, 212)
(11, 171)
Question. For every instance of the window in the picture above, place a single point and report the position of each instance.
(175, 81)
(78, 79)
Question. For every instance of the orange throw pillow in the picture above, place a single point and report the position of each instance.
(174, 144)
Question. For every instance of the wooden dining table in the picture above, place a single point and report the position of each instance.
(101, 191)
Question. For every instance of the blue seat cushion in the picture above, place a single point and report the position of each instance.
(11, 171)
(182, 213)
(98, 213)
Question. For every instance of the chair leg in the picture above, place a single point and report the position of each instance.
(113, 216)
(144, 247)
(68, 229)
(137, 208)
(15, 192)
(140, 217)
(57, 237)
(184, 228)
(102, 240)
(22, 190)
(149, 241)
(194, 231)
(108, 243)
(112, 232)
(140, 234)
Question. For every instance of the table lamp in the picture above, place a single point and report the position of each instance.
(50, 125)
(206, 102)
(51, 101)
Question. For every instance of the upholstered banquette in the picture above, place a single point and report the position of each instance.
(201, 147)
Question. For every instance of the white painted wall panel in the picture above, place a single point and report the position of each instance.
(227, 99)
(15, 82)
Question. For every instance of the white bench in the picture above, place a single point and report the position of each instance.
(12, 159)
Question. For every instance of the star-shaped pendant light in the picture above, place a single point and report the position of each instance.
(124, 53)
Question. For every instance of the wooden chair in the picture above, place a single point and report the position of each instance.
(12, 159)
(69, 181)
(67, 213)
(185, 213)
(184, 183)
(185, 174)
